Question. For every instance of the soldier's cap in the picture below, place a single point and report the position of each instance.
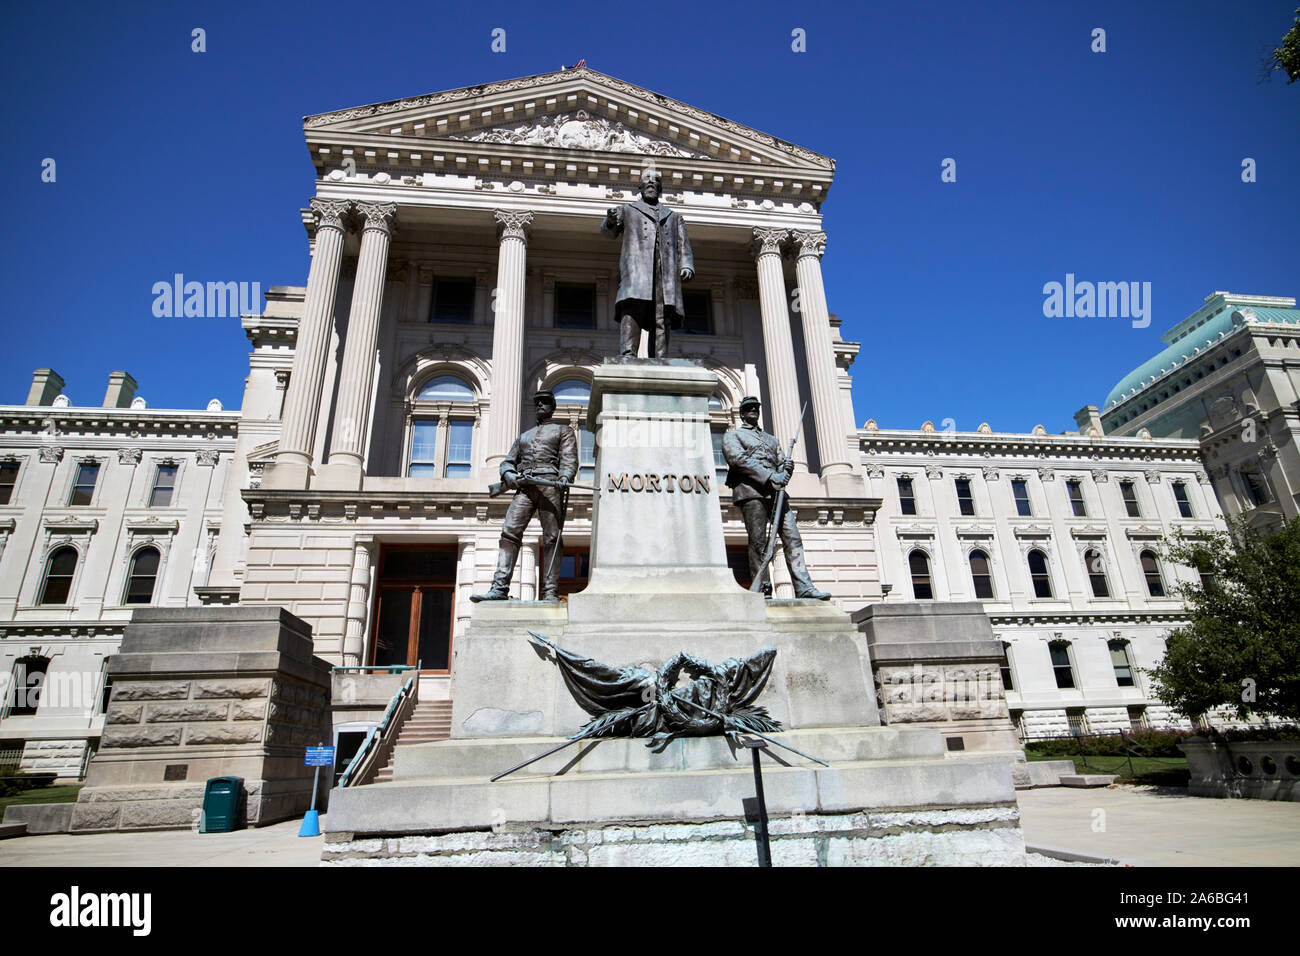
(544, 395)
(750, 400)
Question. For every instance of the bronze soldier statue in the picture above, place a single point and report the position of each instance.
(548, 452)
(758, 469)
(656, 255)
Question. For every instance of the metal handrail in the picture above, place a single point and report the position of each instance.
(377, 734)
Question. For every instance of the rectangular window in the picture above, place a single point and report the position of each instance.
(1180, 496)
(1075, 489)
(1020, 490)
(1120, 661)
(8, 479)
(424, 449)
(1007, 681)
(164, 483)
(965, 503)
(1077, 721)
(1137, 719)
(445, 454)
(575, 306)
(1061, 665)
(1129, 494)
(586, 456)
(1256, 490)
(906, 498)
(720, 466)
(460, 447)
(699, 313)
(453, 301)
(83, 489)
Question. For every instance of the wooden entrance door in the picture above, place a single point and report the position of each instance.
(416, 607)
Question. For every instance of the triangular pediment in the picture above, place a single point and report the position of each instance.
(573, 110)
(580, 130)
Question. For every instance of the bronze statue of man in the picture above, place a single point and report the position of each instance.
(758, 469)
(655, 261)
(548, 451)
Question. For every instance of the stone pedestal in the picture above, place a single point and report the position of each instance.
(656, 528)
(937, 664)
(201, 693)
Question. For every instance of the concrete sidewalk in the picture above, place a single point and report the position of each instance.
(1143, 826)
(276, 845)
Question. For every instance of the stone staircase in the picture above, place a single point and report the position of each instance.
(430, 721)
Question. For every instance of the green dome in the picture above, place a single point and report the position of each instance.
(1190, 344)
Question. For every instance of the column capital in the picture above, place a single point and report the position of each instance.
(514, 223)
(331, 213)
(809, 243)
(768, 241)
(377, 216)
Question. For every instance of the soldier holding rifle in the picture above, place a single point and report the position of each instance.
(758, 473)
(539, 469)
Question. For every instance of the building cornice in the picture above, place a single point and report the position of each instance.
(58, 425)
(345, 507)
(897, 441)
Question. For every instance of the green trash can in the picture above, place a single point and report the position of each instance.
(223, 805)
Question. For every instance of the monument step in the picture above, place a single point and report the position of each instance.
(471, 802)
(484, 757)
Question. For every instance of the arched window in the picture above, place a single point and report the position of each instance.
(979, 574)
(445, 388)
(442, 439)
(572, 391)
(919, 563)
(1096, 573)
(59, 569)
(577, 392)
(142, 576)
(1038, 574)
(1151, 571)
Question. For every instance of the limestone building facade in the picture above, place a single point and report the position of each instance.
(102, 510)
(1059, 537)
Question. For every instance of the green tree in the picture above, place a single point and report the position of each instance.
(1242, 647)
(1287, 56)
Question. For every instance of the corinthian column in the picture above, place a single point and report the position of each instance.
(507, 336)
(357, 375)
(302, 401)
(832, 445)
(778, 347)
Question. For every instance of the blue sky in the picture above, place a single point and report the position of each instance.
(1115, 166)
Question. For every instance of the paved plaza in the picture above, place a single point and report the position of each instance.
(1137, 826)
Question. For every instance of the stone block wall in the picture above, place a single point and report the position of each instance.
(936, 664)
(202, 693)
(984, 836)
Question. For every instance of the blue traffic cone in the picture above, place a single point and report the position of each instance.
(310, 824)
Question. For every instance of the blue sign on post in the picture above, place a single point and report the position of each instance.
(319, 757)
